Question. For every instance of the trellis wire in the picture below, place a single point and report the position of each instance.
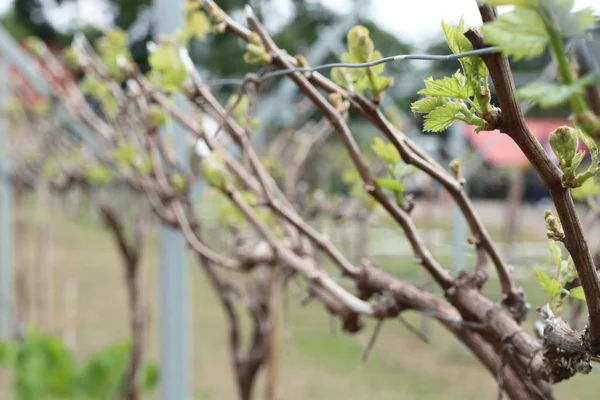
(385, 60)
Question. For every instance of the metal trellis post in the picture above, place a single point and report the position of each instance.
(174, 346)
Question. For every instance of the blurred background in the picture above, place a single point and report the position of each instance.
(68, 274)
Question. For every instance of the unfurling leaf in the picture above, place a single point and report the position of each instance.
(554, 229)
(450, 86)
(239, 108)
(125, 154)
(402, 170)
(341, 77)
(577, 293)
(98, 175)
(150, 377)
(197, 25)
(386, 151)
(178, 182)
(520, 33)
(442, 117)
(556, 253)
(426, 105)
(214, 171)
(360, 45)
(256, 53)
(361, 50)
(167, 69)
(589, 188)
(390, 184)
(564, 141)
(550, 286)
(157, 116)
(114, 53)
(548, 94)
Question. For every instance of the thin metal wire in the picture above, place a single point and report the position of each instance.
(385, 60)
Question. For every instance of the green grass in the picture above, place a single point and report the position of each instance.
(317, 361)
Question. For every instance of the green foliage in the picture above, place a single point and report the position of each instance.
(550, 286)
(230, 215)
(98, 90)
(240, 108)
(70, 56)
(157, 116)
(179, 183)
(214, 172)
(554, 229)
(394, 166)
(588, 189)
(547, 95)
(167, 70)
(520, 33)
(361, 50)
(524, 31)
(386, 151)
(442, 117)
(124, 154)
(464, 96)
(34, 45)
(98, 175)
(452, 87)
(390, 184)
(197, 25)
(564, 272)
(564, 142)
(256, 53)
(426, 105)
(45, 369)
(114, 53)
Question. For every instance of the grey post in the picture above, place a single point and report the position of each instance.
(174, 346)
(7, 315)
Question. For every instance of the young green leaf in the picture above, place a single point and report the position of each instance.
(455, 36)
(402, 170)
(150, 377)
(568, 22)
(360, 45)
(520, 33)
(178, 182)
(197, 25)
(214, 171)
(113, 51)
(390, 184)
(124, 154)
(360, 50)
(442, 117)
(556, 253)
(426, 104)
(386, 151)
(577, 293)
(550, 286)
(589, 188)
(450, 86)
(167, 69)
(98, 175)
(548, 95)
(341, 77)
